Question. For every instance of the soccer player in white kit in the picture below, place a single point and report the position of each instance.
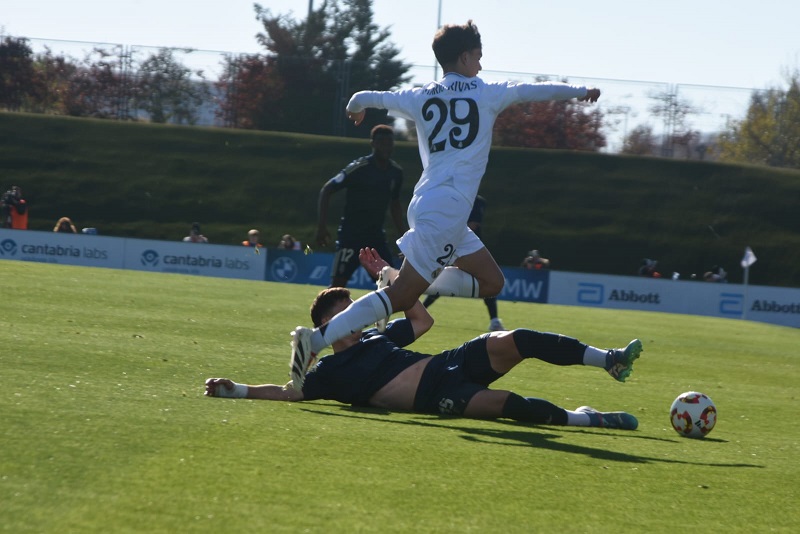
(454, 118)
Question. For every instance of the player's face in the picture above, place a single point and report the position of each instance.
(472, 62)
(382, 145)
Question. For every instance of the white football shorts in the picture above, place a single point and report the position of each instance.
(438, 233)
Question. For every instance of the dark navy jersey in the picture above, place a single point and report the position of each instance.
(369, 190)
(354, 375)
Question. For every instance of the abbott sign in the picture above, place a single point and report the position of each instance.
(733, 301)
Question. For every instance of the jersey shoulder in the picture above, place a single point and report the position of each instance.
(357, 164)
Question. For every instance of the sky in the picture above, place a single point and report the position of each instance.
(731, 43)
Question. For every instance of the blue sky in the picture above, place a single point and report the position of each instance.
(729, 43)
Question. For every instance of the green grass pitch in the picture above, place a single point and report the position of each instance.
(105, 427)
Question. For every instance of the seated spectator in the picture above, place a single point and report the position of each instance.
(535, 261)
(195, 236)
(288, 242)
(648, 268)
(65, 226)
(716, 274)
(253, 238)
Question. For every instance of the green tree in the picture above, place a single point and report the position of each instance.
(311, 68)
(18, 81)
(167, 91)
(101, 86)
(641, 141)
(53, 77)
(770, 132)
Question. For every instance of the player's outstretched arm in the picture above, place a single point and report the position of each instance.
(226, 388)
(323, 236)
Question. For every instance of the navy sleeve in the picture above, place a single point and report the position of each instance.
(400, 332)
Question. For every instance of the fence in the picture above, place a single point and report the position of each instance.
(683, 118)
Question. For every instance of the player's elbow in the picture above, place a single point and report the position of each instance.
(421, 325)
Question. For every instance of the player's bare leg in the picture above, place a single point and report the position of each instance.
(484, 268)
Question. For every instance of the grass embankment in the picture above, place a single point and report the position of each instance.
(587, 212)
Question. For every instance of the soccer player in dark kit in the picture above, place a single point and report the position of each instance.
(372, 184)
(371, 368)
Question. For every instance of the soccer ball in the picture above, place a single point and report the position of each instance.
(693, 414)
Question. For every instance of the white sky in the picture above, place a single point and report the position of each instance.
(732, 43)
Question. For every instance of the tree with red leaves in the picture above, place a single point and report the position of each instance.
(566, 124)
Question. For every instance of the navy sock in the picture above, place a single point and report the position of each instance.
(430, 299)
(491, 306)
(531, 410)
(550, 348)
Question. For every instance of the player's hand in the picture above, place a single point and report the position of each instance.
(591, 95)
(371, 261)
(323, 237)
(213, 383)
(356, 116)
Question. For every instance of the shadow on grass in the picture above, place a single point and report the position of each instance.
(512, 433)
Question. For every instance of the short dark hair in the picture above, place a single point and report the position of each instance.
(325, 301)
(452, 40)
(381, 129)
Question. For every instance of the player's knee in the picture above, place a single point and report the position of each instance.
(492, 286)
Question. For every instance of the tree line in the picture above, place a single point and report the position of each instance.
(310, 67)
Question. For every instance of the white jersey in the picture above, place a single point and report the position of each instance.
(454, 118)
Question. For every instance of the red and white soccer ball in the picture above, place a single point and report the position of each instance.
(693, 414)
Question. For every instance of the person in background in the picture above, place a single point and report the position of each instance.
(648, 268)
(288, 242)
(195, 236)
(253, 239)
(717, 275)
(372, 185)
(535, 261)
(474, 222)
(65, 226)
(14, 209)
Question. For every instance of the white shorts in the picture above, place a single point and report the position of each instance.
(438, 233)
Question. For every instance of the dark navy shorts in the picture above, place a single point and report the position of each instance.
(345, 260)
(452, 378)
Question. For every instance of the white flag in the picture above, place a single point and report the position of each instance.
(749, 258)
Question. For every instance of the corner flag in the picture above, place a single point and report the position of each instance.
(749, 258)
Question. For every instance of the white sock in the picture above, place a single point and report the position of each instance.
(453, 282)
(360, 314)
(595, 357)
(578, 419)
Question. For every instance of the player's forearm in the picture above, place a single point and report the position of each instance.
(550, 91)
(421, 320)
(322, 207)
(273, 392)
(397, 217)
(365, 99)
